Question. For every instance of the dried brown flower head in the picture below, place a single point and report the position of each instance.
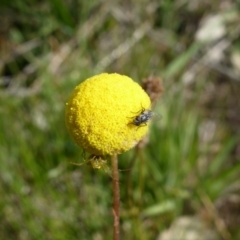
(154, 87)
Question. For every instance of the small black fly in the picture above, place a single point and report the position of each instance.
(143, 117)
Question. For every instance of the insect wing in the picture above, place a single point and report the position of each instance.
(156, 116)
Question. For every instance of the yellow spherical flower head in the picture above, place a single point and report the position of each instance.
(101, 111)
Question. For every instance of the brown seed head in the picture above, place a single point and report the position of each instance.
(154, 87)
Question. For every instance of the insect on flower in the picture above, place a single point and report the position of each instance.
(96, 162)
(143, 117)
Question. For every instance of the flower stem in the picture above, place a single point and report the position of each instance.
(116, 198)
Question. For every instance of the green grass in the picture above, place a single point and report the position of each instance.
(193, 150)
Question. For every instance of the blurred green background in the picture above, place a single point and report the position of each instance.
(188, 172)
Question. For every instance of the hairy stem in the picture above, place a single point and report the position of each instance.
(116, 198)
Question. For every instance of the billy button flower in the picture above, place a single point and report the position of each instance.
(101, 111)
(106, 115)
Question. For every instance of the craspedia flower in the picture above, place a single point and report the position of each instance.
(101, 111)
